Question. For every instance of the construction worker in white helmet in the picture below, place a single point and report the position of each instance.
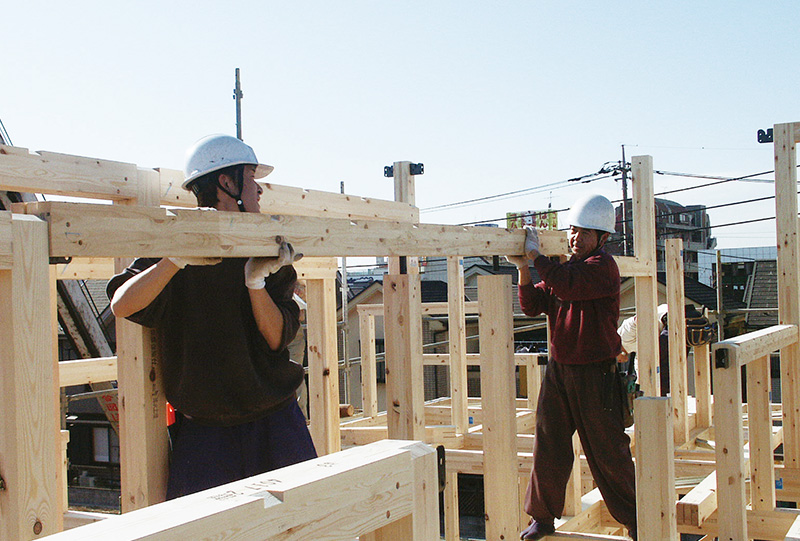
(223, 326)
(580, 389)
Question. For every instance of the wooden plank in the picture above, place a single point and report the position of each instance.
(428, 308)
(744, 348)
(452, 530)
(405, 397)
(731, 471)
(30, 450)
(678, 366)
(794, 532)
(473, 359)
(457, 343)
(655, 470)
(6, 252)
(86, 268)
(759, 414)
(369, 382)
(702, 385)
(632, 266)
(340, 496)
(316, 268)
(86, 371)
(323, 365)
(497, 381)
(63, 174)
(644, 240)
(699, 503)
(788, 281)
(86, 230)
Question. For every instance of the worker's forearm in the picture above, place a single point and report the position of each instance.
(269, 317)
(524, 275)
(138, 292)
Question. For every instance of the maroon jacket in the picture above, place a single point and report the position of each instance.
(582, 300)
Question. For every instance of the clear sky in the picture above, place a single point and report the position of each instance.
(492, 97)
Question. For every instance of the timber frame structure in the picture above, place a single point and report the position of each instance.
(378, 488)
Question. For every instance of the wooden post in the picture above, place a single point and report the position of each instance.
(678, 382)
(452, 529)
(457, 339)
(759, 414)
(731, 502)
(702, 385)
(788, 283)
(498, 402)
(572, 503)
(144, 446)
(30, 440)
(369, 382)
(404, 192)
(655, 470)
(323, 365)
(644, 241)
(405, 397)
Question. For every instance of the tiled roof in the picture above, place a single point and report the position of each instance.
(763, 294)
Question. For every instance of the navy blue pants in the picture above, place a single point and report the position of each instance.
(207, 456)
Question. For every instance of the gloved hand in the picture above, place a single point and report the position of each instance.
(181, 262)
(517, 260)
(257, 269)
(531, 242)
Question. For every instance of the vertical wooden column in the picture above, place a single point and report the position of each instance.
(30, 440)
(405, 396)
(405, 191)
(452, 528)
(655, 470)
(759, 413)
(323, 365)
(61, 465)
(702, 385)
(457, 336)
(786, 137)
(498, 402)
(678, 382)
(731, 501)
(644, 241)
(572, 502)
(369, 382)
(143, 426)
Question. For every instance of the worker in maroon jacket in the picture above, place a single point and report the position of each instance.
(223, 326)
(579, 391)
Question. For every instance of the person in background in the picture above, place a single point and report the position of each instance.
(580, 388)
(222, 327)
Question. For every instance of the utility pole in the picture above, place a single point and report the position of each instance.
(238, 95)
(625, 228)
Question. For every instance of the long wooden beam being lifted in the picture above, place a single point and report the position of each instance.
(91, 230)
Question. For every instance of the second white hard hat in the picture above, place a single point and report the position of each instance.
(593, 212)
(215, 152)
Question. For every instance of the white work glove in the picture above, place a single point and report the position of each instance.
(531, 240)
(181, 262)
(257, 269)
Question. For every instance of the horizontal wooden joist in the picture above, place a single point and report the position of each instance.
(745, 348)
(62, 174)
(86, 371)
(91, 230)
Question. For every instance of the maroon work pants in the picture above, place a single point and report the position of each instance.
(583, 398)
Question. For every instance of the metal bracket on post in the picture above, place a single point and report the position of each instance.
(60, 260)
(765, 136)
(2, 483)
(442, 469)
(722, 359)
(414, 169)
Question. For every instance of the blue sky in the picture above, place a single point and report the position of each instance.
(491, 96)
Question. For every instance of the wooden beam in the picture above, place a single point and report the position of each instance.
(428, 308)
(731, 471)
(29, 432)
(497, 381)
(787, 237)
(323, 365)
(86, 230)
(87, 371)
(744, 348)
(702, 385)
(655, 470)
(699, 503)
(632, 266)
(339, 496)
(644, 240)
(457, 343)
(759, 415)
(6, 252)
(369, 382)
(678, 366)
(405, 397)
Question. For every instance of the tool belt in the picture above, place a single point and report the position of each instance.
(628, 388)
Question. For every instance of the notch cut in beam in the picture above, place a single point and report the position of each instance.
(748, 347)
(88, 230)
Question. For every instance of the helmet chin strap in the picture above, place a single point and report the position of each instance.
(240, 184)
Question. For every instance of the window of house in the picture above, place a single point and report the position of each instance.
(106, 444)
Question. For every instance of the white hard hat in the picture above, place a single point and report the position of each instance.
(215, 152)
(593, 212)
